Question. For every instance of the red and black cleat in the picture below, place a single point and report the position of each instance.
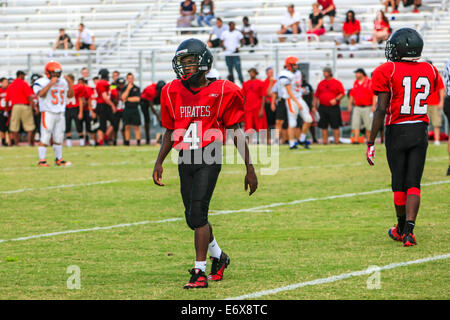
(394, 233)
(43, 163)
(409, 240)
(198, 280)
(218, 267)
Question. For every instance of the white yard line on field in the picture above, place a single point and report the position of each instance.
(340, 277)
(263, 208)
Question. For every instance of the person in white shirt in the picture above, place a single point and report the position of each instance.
(290, 24)
(231, 41)
(85, 38)
(249, 33)
(217, 31)
(290, 83)
(53, 92)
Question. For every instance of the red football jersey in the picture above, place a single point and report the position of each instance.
(200, 116)
(149, 92)
(434, 98)
(3, 102)
(79, 91)
(91, 94)
(410, 85)
(100, 87)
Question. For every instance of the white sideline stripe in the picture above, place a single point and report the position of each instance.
(216, 213)
(340, 277)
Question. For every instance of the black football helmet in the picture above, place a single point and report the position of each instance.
(159, 86)
(196, 48)
(103, 73)
(404, 44)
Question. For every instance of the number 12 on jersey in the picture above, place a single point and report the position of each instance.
(191, 136)
(422, 82)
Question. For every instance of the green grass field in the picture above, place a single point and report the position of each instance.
(275, 246)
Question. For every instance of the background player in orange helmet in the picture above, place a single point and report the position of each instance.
(53, 92)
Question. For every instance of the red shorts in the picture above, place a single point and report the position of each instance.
(253, 121)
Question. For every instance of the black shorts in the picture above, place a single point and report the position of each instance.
(215, 43)
(247, 41)
(447, 107)
(145, 106)
(280, 111)
(118, 116)
(329, 116)
(270, 115)
(131, 117)
(37, 122)
(72, 114)
(3, 122)
(331, 13)
(86, 121)
(197, 183)
(104, 114)
(406, 149)
(85, 46)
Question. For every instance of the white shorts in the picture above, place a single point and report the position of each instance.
(52, 125)
(293, 112)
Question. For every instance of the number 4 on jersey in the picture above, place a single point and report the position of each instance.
(420, 96)
(191, 136)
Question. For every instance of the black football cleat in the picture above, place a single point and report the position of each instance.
(305, 144)
(218, 267)
(448, 171)
(198, 280)
(409, 240)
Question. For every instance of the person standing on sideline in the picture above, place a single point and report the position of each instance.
(327, 97)
(53, 91)
(364, 100)
(21, 98)
(447, 104)
(131, 96)
(254, 101)
(435, 105)
(231, 41)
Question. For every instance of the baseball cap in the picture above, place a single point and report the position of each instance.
(121, 81)
(327, 69)
(360, 70)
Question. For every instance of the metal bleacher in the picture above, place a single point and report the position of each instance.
(140, 36)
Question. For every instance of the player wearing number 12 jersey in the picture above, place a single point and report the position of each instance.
(403, 86)
(53, 92)
(195, 112)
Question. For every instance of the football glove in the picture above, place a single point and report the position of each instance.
(370, 153)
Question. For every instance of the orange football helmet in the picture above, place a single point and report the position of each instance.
(290, 61)
(53, 67)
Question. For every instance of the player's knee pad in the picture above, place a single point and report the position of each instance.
(197, 216)
(413, 191)
(399, 198)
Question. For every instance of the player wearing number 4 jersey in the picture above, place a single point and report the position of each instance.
(53, 92)
(195, 112)
(403, 86)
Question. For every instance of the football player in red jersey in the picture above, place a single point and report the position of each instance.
(195, 112)
(3, 111)
(403, 86)
(74, 111)
(105, 107)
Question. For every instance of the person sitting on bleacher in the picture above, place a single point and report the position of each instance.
(217, 32)
(187, 13)
(85, 38)
(328, 9)
(63, 42)
(416, 3)
(290, 23)
(206, 13)
(249, 33)
(381, 29)
(350, 30)
(315, 22)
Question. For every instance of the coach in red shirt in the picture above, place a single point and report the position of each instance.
(20, 96)
(364, 100)
(328, 94)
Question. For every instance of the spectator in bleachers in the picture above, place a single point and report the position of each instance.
(364, 100)
(188, 8)
(231, 41)
(249, 33)
(63, 41)
(381, 29)
(390, 3)
(206, 13)
(327, 98)
(85, 38)
(315, 22)
(416, 3)
(435, 105)
(328, 9)
(21, 97)
(350, 30)
(216, 31)
(290, 24)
